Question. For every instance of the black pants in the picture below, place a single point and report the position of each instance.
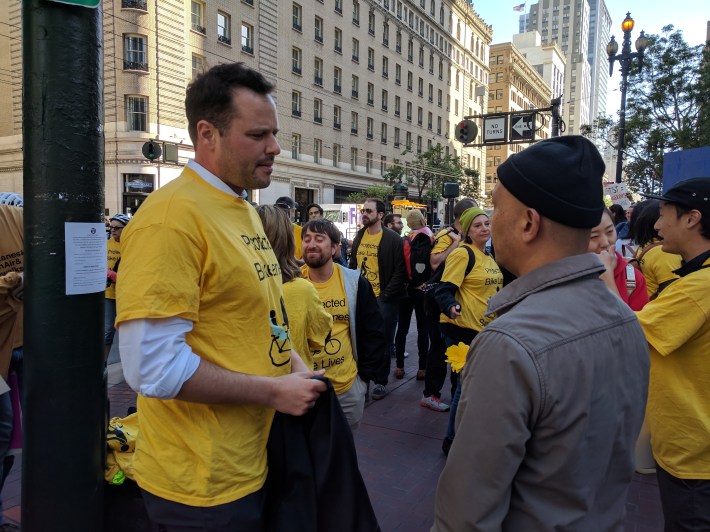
(436, 359)
(242, 515)
(413, 302)
(685, 503)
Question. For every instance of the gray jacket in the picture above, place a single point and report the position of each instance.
(553, 397)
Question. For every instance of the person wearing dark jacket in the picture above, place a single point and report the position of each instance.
(378, 253)
(354, 353)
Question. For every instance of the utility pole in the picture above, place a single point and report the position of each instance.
(64, 383)
(555, 109)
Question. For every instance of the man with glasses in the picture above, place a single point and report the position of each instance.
(113, 259)
(378, 253)
(314, 211)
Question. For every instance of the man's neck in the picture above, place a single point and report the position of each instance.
(694, 247)
(322, 274)
(374, 228)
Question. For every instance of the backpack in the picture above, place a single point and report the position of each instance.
(417, 253)
(431, 307)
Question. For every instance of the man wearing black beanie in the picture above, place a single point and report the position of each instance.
(555, 387)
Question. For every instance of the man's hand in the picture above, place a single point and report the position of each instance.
(455, 238)
(111, 275)
(19, 291)
(297, 392)
(609, 260)
(455, 311)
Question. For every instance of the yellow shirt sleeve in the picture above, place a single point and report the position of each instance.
(297, 235)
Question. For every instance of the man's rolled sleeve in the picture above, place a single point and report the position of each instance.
(155, 357)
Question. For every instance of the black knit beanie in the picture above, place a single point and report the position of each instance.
(561, 178)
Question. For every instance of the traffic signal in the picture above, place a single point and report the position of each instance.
(466, 131)
(152, 150)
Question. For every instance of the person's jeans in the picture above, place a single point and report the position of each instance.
(5, 435)
(413, 302)
(109, 320)
(390, 313)
(453, 407)
(685, 502)
(436, 359)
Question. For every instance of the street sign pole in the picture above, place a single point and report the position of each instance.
(64, 385)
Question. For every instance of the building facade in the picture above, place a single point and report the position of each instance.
(516, 85)
(599, 35)
(358, 82)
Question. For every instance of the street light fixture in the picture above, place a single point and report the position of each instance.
(625, 59)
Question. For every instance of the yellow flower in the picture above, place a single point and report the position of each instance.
(456, 356)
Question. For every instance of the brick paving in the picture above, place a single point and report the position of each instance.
(399, 450)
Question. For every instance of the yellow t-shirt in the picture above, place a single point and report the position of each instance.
(677, 327)
(113, 253)
(198, 253)
(442, 241)
(337, 357)
(308, 322)
(297, 230)
(657, 267)
(367, 259)
(474, 291)
(12, 254)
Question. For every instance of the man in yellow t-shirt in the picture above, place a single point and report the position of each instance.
(354, 353)
(378, 253)
(677, 327)
(203, 333)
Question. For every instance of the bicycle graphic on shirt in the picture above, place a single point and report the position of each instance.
(280, 339)
(366, 272)
(330, 347)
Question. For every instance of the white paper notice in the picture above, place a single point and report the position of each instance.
(85, 252)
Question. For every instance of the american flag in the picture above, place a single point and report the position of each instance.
(521, 7)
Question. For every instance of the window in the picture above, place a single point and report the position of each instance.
(318, 111)
(408, 141)
(409, 111)
(396, 137)
(383, 164)
(420, 116)
(419, 144)
(398, 42)
(336, 155)
(198, 65)
(247, 38)
(397, 74)
(370, 128)
(431, 63)
(397, 103)
(438, 97)
(430, 120)
(356, 12)
(295, 103)
(356, 50)
(438, 125)
(410, 81)
(410, 51)
(420, 87)
(297, 17)
(224, 28)
(337, 80)
(370, 94)
(386, 34)
(421, 57)
(197, 10)
(368, 162)
(441, 69)
(318, 71)
(385, 67)
(296, 56)
(355, 86)
(318, 25)
(431, 93)
(336, 117)
(339, 7)
(385, 97)
(338, 40)
(353, 122)
(371, 23)
(371, 59)
(137, 113)
(317, 150)
(135, 52)
(353, 158)
(295, 146)
(383, 133)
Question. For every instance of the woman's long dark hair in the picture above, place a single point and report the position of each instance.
(643, 218)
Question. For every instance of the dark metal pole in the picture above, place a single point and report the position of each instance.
(622, 121)
(64, 388)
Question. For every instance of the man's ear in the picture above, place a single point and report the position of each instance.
(206, 133)
(531, 221)
(694, 217)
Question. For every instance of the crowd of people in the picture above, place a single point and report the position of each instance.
(581, 323)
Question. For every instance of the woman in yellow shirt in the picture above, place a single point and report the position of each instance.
(308, 322)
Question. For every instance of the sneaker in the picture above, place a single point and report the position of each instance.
(378, 392)
(399, 373)
(421, 374)
(434, 403)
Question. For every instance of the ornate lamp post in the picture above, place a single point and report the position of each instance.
(625, 59)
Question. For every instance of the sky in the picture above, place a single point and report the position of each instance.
(691, 16)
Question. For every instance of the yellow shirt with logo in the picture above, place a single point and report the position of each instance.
(474, 291)
(308, 322)
(657, 267)
(200, 254)
(337, 357)
(367, 259)
(677, 327)
(442, 242)
(113, 253)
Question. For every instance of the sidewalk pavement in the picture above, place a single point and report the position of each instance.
(399, 451)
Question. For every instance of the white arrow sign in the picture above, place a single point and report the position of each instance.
(521, 126)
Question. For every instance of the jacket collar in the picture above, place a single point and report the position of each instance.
(548, 276)
(693, 265)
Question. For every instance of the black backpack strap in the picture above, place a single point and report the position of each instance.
(471, 261)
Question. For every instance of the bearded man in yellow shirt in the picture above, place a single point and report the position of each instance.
(203, 331)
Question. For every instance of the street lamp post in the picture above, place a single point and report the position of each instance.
(625, 59)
